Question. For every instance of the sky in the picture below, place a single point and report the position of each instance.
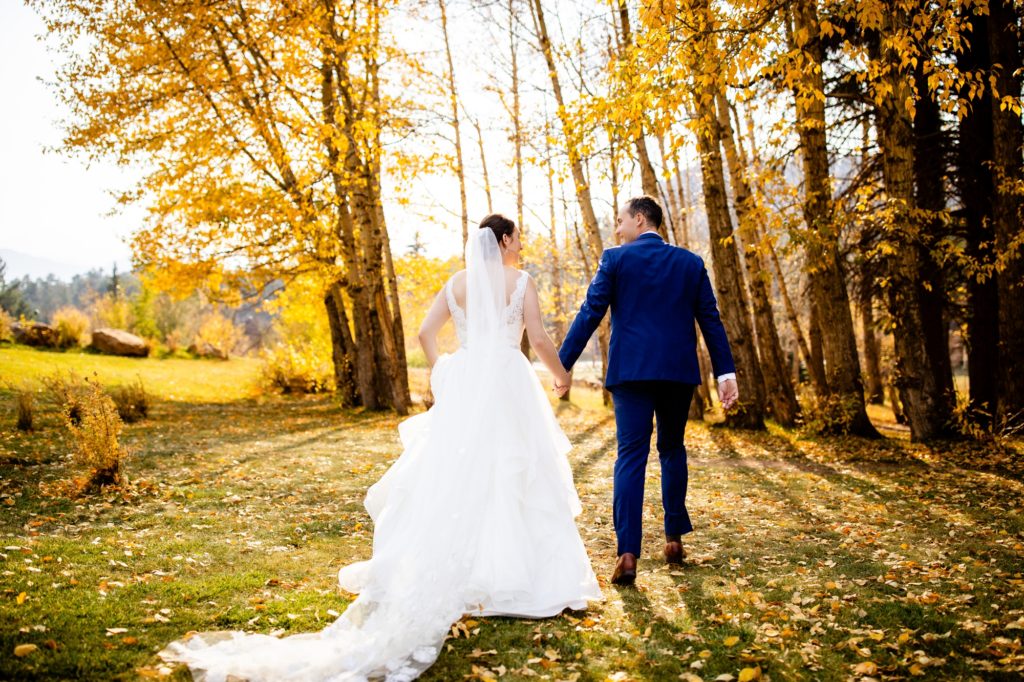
(51, 207)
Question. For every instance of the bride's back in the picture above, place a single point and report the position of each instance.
(512, 316)
(458, 285)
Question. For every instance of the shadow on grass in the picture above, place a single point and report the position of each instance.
(917, 493)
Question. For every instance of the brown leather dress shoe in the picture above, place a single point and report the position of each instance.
(625, 570)
(674, 552)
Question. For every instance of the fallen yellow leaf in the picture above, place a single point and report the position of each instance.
(731, 641)
(24, 649)
(749, 674)
(22, 597)
(866, 668)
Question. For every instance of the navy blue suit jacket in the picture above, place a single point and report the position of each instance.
(656, 291)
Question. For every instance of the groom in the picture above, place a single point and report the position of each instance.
(656, 291)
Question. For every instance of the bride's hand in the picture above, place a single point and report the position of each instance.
(562, 384)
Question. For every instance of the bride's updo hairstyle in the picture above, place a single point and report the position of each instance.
(499, 225)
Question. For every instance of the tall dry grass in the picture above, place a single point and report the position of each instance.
(132, 401)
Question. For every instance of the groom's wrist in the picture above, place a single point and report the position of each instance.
(727, 376)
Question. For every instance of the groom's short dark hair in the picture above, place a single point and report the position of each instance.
(647, 205)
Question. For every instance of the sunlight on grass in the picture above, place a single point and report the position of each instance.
(812, 558)
(171, 379)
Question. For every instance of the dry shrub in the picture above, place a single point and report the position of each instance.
(95, 435)
(66, 392)
(830, 415)
(6, 326)
(25, 406)
(176, 340)
(132, 401)
(219, 332)
(111, 311)
(976, 423)
(296, 370)
(71, 325)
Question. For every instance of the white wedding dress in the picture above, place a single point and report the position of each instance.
(475, 517)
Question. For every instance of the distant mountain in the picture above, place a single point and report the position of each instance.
(20, 264)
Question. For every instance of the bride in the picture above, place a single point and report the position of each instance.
(475, 517)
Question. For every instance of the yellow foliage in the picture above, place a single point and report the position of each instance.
(559, 296)
(420, 279)
(72, 326)
(6, 326)
(296, 369)
(219, 332)
(300, 360)
(108, 311)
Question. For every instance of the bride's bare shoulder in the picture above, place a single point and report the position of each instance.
(517, 275)
(457, 282)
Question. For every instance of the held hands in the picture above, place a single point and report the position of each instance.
(728, 393)
(562, 383)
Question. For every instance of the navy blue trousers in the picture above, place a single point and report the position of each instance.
(637, 404)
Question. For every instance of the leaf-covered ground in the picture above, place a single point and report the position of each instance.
(812, 558)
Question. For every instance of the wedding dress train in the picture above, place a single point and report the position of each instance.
(475, 517)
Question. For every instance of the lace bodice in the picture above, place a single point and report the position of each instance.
(513, 316)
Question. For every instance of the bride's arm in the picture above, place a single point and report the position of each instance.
(539, 339)
(432, 323)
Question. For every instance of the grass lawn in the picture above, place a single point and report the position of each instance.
(207, 380)
(812, 558)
